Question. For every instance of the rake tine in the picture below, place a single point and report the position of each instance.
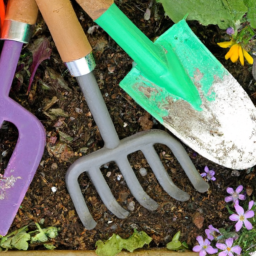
(134, 185)
(105, 194)
(162, 176)
(78, 198)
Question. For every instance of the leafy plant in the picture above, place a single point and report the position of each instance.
(175, 244)
(116, 244)
(19, 239)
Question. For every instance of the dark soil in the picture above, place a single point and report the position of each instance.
(190, 217)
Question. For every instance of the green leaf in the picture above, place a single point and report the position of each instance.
(176, 236)
(223, 13)
(115, 243)
(51, 232)
(174, 245)
(19, 241)
(49, 246)
(41, 237)
(251, 15)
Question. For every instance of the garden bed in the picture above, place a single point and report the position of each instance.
(47, 198)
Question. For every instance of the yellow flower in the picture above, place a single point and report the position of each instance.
(236, 51)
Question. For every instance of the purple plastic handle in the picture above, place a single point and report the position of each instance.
(30, 146)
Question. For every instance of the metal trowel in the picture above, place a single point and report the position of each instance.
(179, 82)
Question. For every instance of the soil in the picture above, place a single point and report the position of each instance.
(56, 208)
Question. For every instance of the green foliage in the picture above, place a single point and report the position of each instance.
(251, 15)
(223, 13)
(175, 244)
(19, 239)
(116, 244)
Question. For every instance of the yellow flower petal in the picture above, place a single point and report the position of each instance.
(231, 51)
(241, 55)
(225, 44)
(234, 56)
(248, 57)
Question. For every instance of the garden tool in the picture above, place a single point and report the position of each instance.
(75, 51)
(180, 83)
(20, 16)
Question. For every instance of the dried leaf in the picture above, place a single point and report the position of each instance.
(65, 137)
(41, 51)
(145, 123)
(57, 79)
(58, 112)
(198, 220)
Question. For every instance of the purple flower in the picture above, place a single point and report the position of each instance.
(211, 232)
(208, 173)
(204, 247)
(227, 249)
(230, 31)
(235, 195)
(242, 217)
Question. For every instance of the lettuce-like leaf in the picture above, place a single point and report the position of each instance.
(115, 243)
(251, 15)
(223, 13)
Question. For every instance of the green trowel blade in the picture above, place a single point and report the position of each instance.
(224, 130)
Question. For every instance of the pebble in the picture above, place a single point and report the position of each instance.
(143, 172)
(235, 173)
(54, 189)
(131, 206)
(4, 154)
(54, 166)
(119, 177)
(108, 174)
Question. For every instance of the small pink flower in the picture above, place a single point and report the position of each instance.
(204, 247)
(242, 217)
(211, 232)
(227, 249)
(235, 195)
(209, 174)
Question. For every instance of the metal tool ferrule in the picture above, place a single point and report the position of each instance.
(81, 66)
(16, 31)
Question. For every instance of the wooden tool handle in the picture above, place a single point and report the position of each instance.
(95, 8)
(65, 28)
(22, 10)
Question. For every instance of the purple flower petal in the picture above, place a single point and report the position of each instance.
(241, 197)
(203, 174)
(211, 250)
(202, 253)
(230, 190)
(236, 249)
(230, 254)
(200, 240)
(213, 178)
(251, 203)
(239, 225)
(249, 214)
(206, 169)
(239, 189)
(234, 217)
(222, 254)
(239, 209)
(221, 246)
(212, 173)
(209, 235)
(228, 199)
(229, 242)
(248, 224)
(197, 248)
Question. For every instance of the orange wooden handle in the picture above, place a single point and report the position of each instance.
(65, 28)
(22, 10)
(95, 8)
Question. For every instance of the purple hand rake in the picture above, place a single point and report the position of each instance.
(30, 145)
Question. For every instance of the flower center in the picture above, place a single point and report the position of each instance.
(228, 249)
(235, 195)
(241, 217)
(205, 246)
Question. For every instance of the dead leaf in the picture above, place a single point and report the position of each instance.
(57, 79)
(41, 51)
(145, 123)
(58, 112)
(65, 137)
(198, 220)
(249, 190)
(61, 151)
(50, 103)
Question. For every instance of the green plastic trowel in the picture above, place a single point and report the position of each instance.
(179, 82)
